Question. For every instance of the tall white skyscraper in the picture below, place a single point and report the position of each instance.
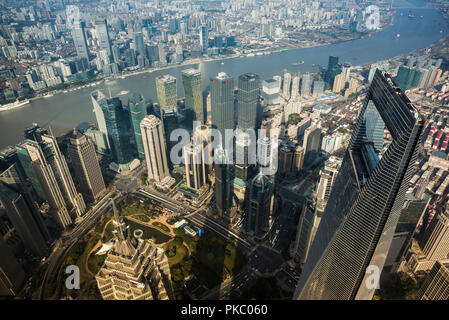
(155, 149)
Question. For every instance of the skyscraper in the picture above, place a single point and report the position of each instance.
(155, 149)
(222, 103)
(333, 68)
(311, 144)
(327, 178)
(104, 42)
(203, 39)
(436, 285)
(13, 275)
(365, 203)
(139, 45)
(338, 83)
(86, 167)
(134, 269)
(117, 121)
(318, 88)
(96, 97)
(137, 110)
(222, 184)
(306, 85)
(79, 39)
(248, 100)
(433, 246)
(195, 169)
(23, 212)
(244, 157)
(191, 80)
(286, 85)
(260, 205)
(295, 86)
(167, 93)
(307, 226)
(43, 180)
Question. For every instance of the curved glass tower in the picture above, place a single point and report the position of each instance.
(365, 203)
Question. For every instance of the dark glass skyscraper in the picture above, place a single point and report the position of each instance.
(222, 102)
(333, 68)
(260, 204)
(222, 184)
(117, 123)
(23, 212)
(137, 110)
(365, 203)
(139, 45)
(248, 99)
(191, 80)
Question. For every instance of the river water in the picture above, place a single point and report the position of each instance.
(65, 111)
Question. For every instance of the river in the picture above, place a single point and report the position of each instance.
(65, 111)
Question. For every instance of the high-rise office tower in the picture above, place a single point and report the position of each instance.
(23, 212)
(195, 170)
(222, 103)
(248, 100)
(306, 85)
(117, 121)
(327, 178)
(436, 285)
(155, 149)
(373, 126)
(287, 85)
(134, 269)
(260, 205)
(191, 80)
(167, 93)
(86, 166)
(139, 44)
(222, 184)
(43, 180)
(96, 97)
(101, 30)
(171, 123)
(333, 68)
(74, 200)
(12, 274)
(79, 39)
(307, 226)
(203, 39)
(57, 163)
(365, 203)
(138, 110)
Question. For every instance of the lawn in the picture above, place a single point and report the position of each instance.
(142, 217)
(161, 226)
(148, 232)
